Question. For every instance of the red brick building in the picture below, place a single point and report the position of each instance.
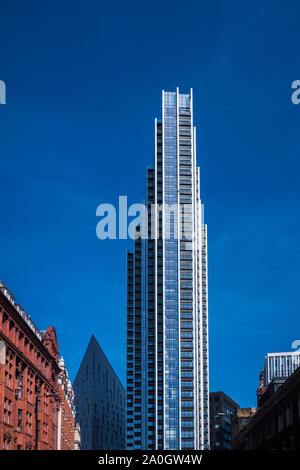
(67, 432)
(28, 370)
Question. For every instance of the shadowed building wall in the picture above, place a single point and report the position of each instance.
(99, 402)
(28, 369)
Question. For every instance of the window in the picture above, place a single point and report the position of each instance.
(30, 377)
(45, 431)
(187, 424)
(7, 411)
(28, 423)
(19, 424)
(187, 434)
(289, 413)
(8, 368)
(6, 443)
(20, 385)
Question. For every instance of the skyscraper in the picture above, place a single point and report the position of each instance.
(167, 316)
(99, 402)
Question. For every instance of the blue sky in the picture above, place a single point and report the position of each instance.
(84, 83)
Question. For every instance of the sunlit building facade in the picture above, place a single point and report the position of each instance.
(167, 304)
(29, 373)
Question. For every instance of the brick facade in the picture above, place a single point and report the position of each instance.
(28, 369)
(66, 414)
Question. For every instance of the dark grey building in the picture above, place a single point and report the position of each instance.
(222, 412)
(99, 402)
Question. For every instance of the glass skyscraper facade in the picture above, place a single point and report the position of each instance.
(167, 311)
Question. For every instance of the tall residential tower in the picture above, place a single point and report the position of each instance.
(167, 317)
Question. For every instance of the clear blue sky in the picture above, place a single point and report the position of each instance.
(84, 83)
